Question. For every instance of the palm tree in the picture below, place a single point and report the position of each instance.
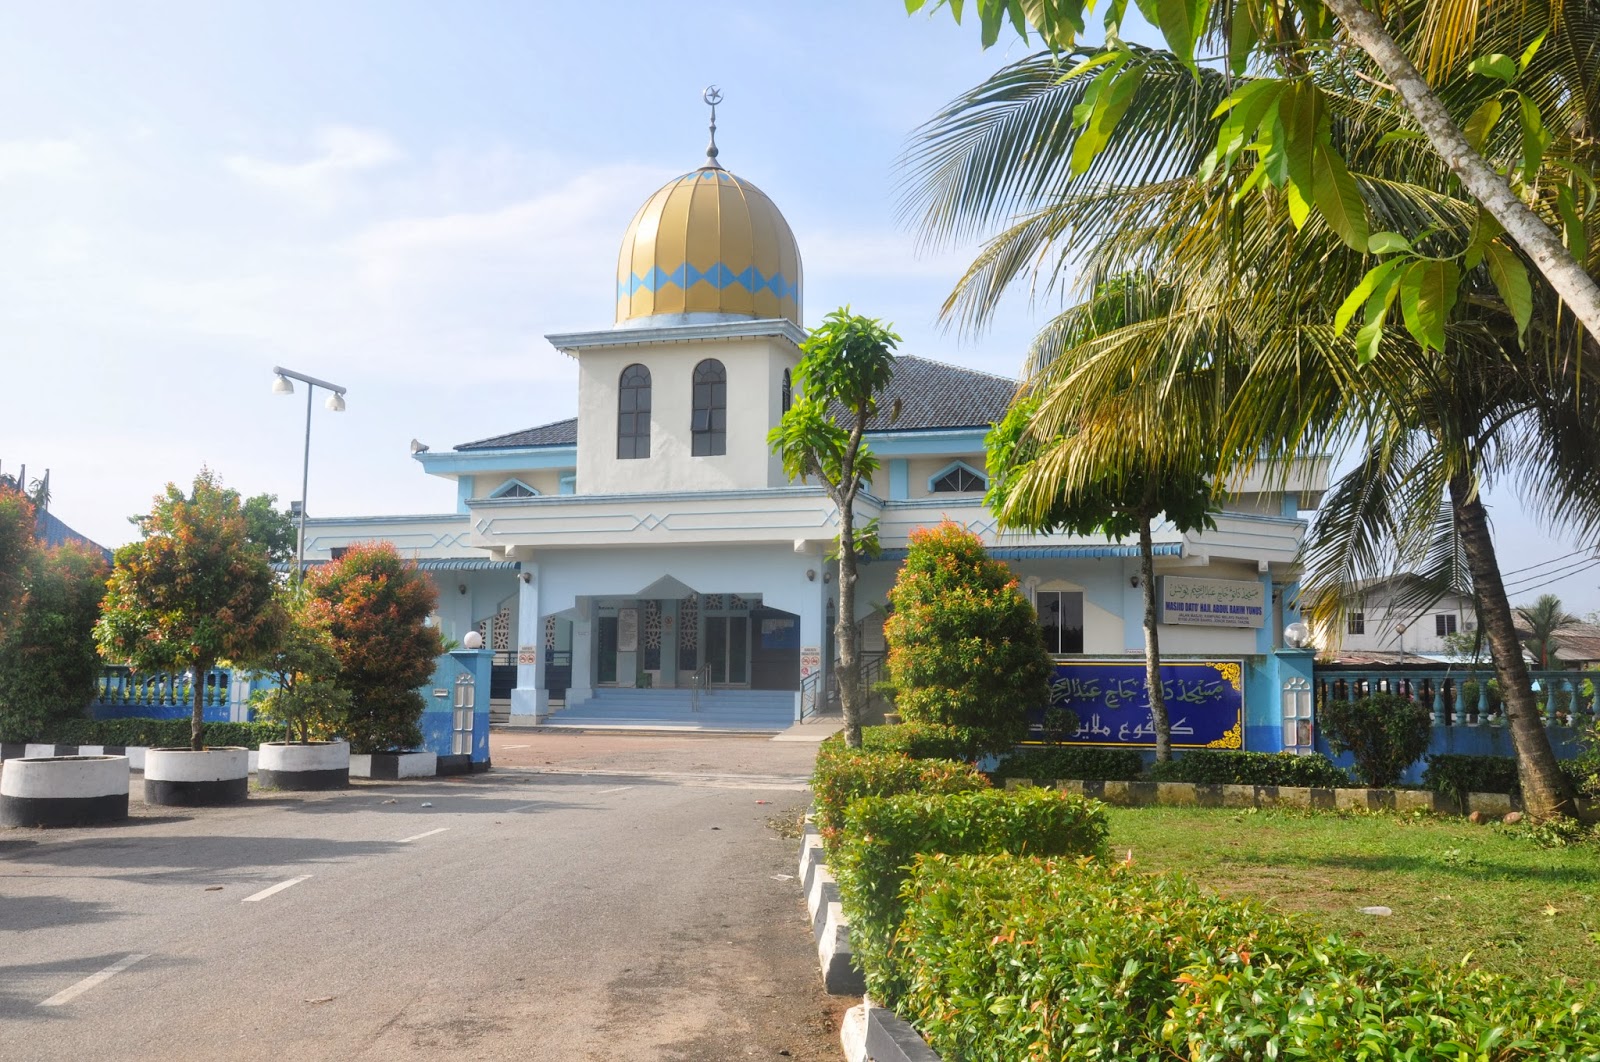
(1544, 619)
(1259, 296)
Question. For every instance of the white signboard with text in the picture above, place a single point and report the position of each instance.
(1213, 602)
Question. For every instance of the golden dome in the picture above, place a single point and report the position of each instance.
(708, 243)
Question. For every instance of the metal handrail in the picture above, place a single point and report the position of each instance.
(702, 681)
(810, 690)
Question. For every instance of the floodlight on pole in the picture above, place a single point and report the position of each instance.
(282, 386)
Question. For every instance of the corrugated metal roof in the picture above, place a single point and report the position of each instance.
(1010, 553)
(436, 564)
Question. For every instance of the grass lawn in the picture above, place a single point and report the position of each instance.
(1455, 888)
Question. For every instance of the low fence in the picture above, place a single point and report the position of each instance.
(1468, 710)
(122, 693)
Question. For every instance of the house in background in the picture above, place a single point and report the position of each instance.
(1385, 626)
(647, 560)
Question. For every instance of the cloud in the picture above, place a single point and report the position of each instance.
(344, 151)
(35, 158)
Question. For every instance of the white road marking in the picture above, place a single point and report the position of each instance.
(618, 789)
(420, 836)
(524, 807)
(67, 995)
(279, 887)
(516, 746)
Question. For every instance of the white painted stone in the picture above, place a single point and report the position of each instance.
(360, 765)
(136, 757)
(318, 756)
(820, 876)
(34, 751)
(419, 765)
(56, 778)
(91, 750)
(853, 1033)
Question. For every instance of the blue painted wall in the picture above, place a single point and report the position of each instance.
(438, 718)
(1469, 741)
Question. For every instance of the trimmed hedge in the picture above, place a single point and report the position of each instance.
(160, 733)
(1384, 733)
(843, 775)
(920, 741)
(1455, 775)
(1083, 764)
(883, 836)
(1009, 958)
(1251, 768)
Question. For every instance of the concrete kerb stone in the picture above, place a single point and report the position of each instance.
(839, 975)
(1496, 804)
(1187, 794)
(870, 1033)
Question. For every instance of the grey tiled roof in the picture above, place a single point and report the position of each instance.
(53, 531)
(556, 433)
(932, 396)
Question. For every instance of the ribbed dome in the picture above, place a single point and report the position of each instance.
(708, 243)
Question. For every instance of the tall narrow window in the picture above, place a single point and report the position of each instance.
(633, 413)
(788, 391)
(710, 423)
(1060, 620)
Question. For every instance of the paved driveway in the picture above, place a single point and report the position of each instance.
(546, 910)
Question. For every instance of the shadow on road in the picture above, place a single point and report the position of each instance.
(23, 986)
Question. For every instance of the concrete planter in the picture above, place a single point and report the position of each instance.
(394, 765)
(188, 779)
(313, 765)
(64, 791)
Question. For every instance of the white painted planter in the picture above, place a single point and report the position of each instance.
(394, 765)
(185, 778)
(64, 790)
(314, 765)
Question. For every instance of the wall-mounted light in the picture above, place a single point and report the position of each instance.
(827, 577)
(526, 577)
(1133, 581)
(811, 575)
(461, 588)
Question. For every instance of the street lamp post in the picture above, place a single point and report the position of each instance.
(282, 386)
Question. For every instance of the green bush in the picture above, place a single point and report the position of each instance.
(1223, 767)
(965, 648)
(1386, 734)
(1584, 769)
(1010, 958)
(1455, 776)
(842, 775)
(159, 733)
(48, 660)
(1081, 764)
(1467, 701)
(923, 741)
(882, 837)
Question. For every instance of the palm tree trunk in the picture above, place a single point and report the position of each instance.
(1152, 645)
(845, 628)
(1565, 274)
(1544, 788)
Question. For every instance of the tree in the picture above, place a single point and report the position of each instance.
(270, 527)
(1545, 619)
(1036, 484)
(1505, 395)
(965, 648)
(304, 667)
(16, 543)
(193, 592)
(374, 606)
(845, 365)
(1283, 119)
(48, 661)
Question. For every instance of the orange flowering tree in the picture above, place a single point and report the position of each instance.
(965, 648)
(375, 606)
(16, 542)
(194, 591)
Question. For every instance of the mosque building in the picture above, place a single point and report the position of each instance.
(647, 561)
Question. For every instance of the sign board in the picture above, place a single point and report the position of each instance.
(528, 654)
(810, 661)
(437, 692)
(1205, 704)
(627, 630)
(1213, 602)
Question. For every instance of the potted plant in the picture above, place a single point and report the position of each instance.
(307, 699)
(195, 590)
(375, 605)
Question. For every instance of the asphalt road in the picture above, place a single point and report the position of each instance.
(543, 911)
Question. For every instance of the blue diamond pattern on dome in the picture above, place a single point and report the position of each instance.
(718, 276)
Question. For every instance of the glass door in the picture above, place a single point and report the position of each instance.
(606, 664)
(728, 650)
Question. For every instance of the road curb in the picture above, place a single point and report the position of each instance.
(870, 1033)
(828, 925)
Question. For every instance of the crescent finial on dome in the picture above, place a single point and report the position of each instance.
(713, 96)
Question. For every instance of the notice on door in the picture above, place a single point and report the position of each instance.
(627, 630)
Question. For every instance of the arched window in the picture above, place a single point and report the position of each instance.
(959, 478)
(633, 413)
(710, 423)
(788, 393)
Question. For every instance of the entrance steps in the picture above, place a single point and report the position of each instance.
(760, 711)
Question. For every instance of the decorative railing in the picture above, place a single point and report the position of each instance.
(120, 686)
(810, 695)
(701, 683)
(1463, 696)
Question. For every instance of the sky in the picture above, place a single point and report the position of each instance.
(404, 199)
